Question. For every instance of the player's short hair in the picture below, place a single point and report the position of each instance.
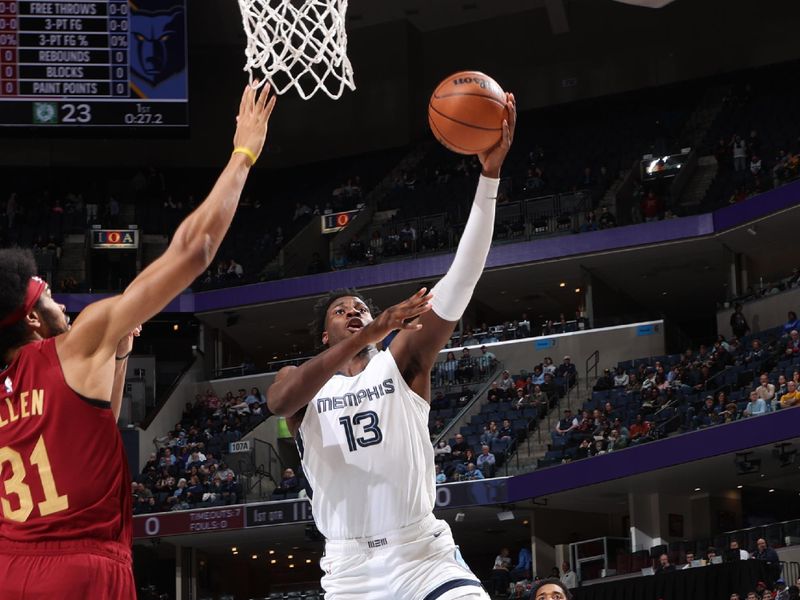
(17, 266)
(553, 581)
(317, 326)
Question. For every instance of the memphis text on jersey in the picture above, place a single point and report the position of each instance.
(355, 398)
(29, 404)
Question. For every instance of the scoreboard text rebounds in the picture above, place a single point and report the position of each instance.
(87, 63)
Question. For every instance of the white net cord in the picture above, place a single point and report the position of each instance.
(298, 43)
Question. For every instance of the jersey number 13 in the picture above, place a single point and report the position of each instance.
(372, 433)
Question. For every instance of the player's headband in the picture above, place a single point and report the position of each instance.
(36, 287)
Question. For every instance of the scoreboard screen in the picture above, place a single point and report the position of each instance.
(93, 63)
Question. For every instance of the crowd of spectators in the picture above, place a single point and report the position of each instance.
(187, 470)
(646, 399)
(514, 406)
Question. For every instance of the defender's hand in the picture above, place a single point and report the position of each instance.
(492, 159)
(254, 114)
(399, 316)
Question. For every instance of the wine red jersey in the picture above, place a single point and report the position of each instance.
(63, 470)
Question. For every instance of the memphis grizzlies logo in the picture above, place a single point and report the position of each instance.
(158, 50)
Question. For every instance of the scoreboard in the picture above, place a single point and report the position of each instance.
(84, 63)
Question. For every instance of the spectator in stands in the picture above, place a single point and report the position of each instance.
(442, 452)
(519, 592)
(664, 566)
(288, 487)
(495, 393)
(548, 366)
(737, 552)
(711, 554)
(769, 556)
(651, 206)
(568, 577)
(490, 433)
(437, 427)
(781, 593)
(640, 430)
(486, 362)
(791, 396)
(621, 378)
(791, 323)
(501, 572)
(538, 375)
(604, 382)
(551, 589)
(793, 347)
(738, 322)
(607, 219)
(756, 406)
(506, 383)
(459, 448)
(524, 563)
(486, 461)
(472, 473)
(567, 370)
(689, 559)
(523, 399)
(506, 433)
(765, 391)
(566, 425)
(739, 151)
(448, 369)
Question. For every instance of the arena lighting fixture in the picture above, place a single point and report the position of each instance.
(254, 557)
(771, 490)
(308, 561)
(290, 557)
(234, 549)
(273, 561)
(785, 456)
(562, 284)
(740, 486)
(291, 566)
(745, 464)
(697, 489)
(272, 551)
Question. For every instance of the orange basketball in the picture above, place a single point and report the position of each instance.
(466, 112)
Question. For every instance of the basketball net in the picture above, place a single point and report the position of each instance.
(298, 43)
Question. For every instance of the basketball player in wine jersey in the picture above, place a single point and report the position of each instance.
(360, 417)
(65, 501)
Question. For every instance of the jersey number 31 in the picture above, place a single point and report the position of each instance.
(372, 433)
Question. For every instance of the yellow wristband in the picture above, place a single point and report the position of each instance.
(247, 152)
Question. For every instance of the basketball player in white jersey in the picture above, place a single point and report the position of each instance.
(360, 418)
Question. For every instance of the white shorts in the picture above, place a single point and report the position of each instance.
(418, 562)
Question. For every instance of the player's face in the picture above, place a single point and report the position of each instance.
(53, 316)
(346, 316)
(550, 591)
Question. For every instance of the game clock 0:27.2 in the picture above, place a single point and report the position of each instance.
(93, 113)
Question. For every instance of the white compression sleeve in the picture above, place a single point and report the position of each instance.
(452, 293)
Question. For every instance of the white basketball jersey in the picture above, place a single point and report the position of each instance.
(367, 454)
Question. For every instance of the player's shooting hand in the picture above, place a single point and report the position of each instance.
(493, 158)
(400, 316)
(254, 113)
(126, 344)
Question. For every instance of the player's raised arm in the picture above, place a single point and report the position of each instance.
(415, 351)
(99, 328)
